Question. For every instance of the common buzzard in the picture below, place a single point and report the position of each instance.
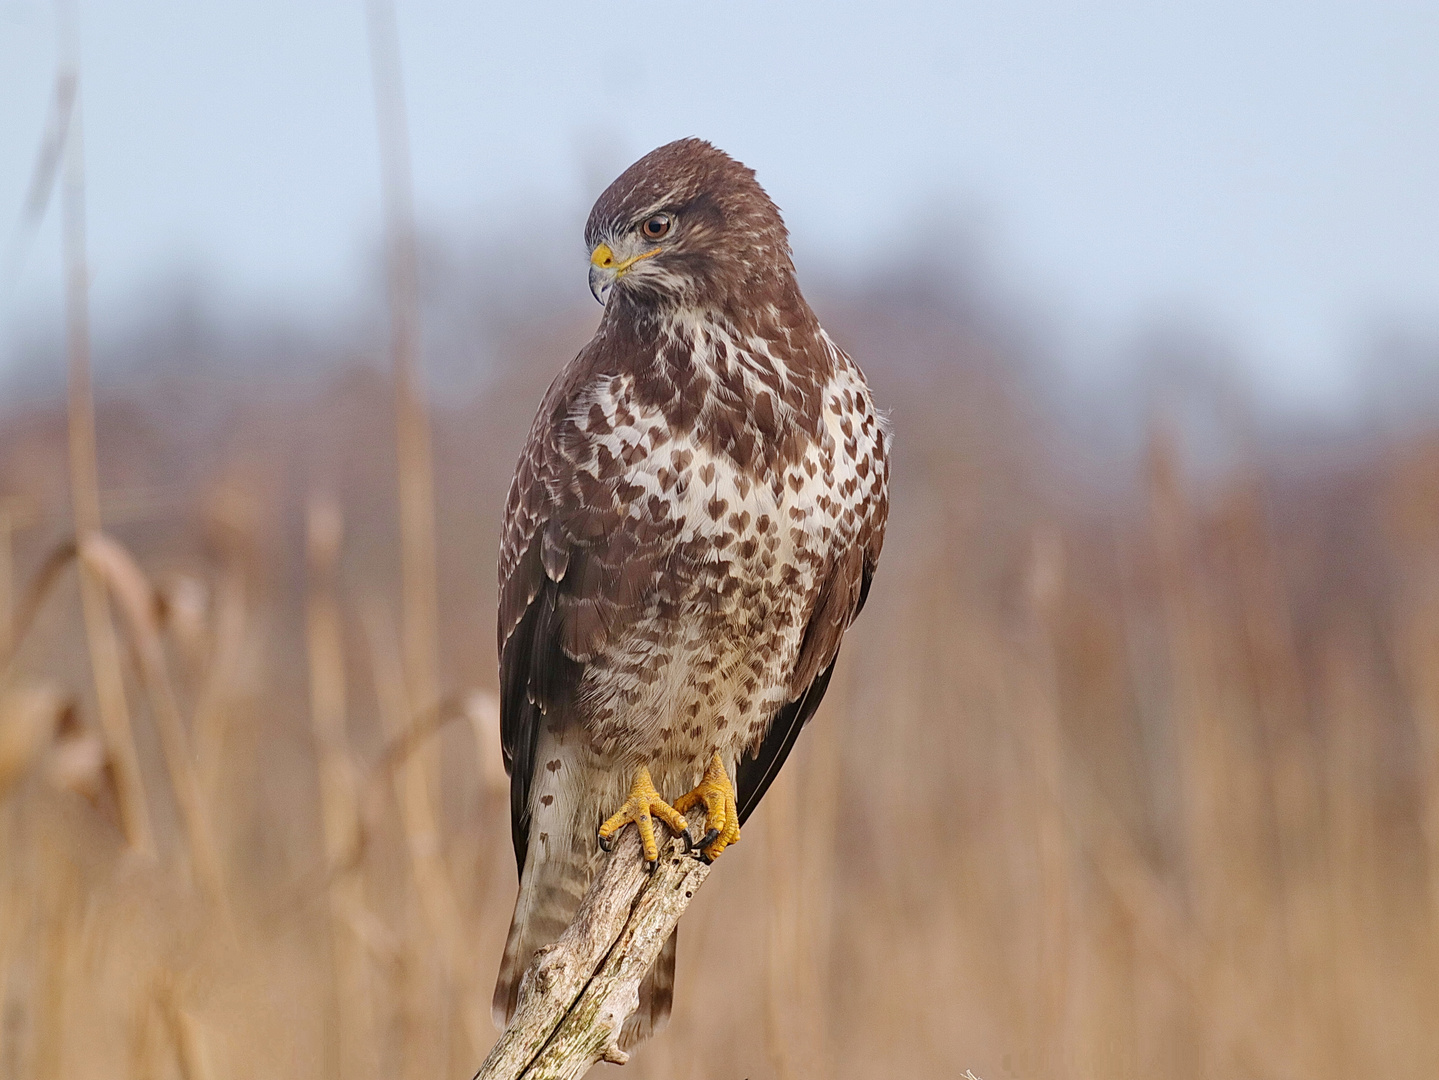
(692, 526)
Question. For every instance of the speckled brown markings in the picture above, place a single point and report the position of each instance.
(692, 526)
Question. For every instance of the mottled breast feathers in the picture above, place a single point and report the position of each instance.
(699, 506)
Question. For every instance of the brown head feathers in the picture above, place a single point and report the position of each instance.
(726, 243)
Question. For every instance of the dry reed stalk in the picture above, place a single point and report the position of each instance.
(1348, 694)
(416, 693)
(1265, 636)
(58, 897)
(799, 830)
(1163, 929)
(186, 1036)
(1268, 636)
(30, 715)
(40, 587)
(419, 822)
(350, 1049)
(1420, 653)
(18, 997)
(1413, 512)
(22, 878)
(1166, 979)
(1052, 836)
(9, 1056)
(1167, 933)
(7, 577)
(1214, 815)
(482, 709)
(230, 648)
(77, 763)
(185, 611)
(144, 1061)
(369, 790)
(784, 1002)
(816, 857)
(114, 567)
(1190, 668)
(15, 514)
(1419, 657)
(48, 161)
(419, 619)
(114, 710)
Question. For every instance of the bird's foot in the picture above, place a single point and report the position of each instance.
(643, 805)
(716, 794)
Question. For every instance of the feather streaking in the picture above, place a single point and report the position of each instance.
(693, 524)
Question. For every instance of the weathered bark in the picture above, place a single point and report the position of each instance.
(578, 993)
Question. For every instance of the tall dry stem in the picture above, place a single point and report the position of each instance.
(186, 1036)
(29, 717)
(1196, 724)
(417, 694)
(15, 514)
(1214, 827)
(232, 632)
(419, 621)
(117, 570)
(84, 474)
(350, 1050)
(1413, 512)
(55, 918)
(1353, 773)
(1046, 755)
(784, 1016)
(420, 824)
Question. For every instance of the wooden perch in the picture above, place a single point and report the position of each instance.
(579, 991)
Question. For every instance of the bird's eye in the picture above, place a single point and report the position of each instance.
(656, 226)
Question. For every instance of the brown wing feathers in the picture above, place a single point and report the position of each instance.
(536, 678)
(840, 599)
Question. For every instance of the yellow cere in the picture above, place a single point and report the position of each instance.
(604, 258)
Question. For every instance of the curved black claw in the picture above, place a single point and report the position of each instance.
(606, 843)
(650, 865)
(697, 849)
(688, 842)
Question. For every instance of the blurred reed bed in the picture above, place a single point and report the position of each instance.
(1131, 778)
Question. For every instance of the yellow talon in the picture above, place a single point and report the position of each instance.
(643, 802)
(721, 815)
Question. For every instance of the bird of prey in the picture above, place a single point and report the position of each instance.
(693, 524)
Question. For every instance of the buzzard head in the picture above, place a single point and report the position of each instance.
(687, 226)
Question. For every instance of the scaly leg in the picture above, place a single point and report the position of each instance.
(721, 815)
(643, 802)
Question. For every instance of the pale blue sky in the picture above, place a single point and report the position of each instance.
(1271, 167)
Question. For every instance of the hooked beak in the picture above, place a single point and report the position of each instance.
(605, 269)
(601, 282)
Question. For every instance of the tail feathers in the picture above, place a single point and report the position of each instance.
(550, 893)
(657, 996)
(507, 985)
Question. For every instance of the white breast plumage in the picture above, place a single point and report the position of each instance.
(710, 674)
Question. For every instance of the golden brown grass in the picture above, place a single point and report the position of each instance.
(1141, 783)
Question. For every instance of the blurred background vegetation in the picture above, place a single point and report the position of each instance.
(1130, 769)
